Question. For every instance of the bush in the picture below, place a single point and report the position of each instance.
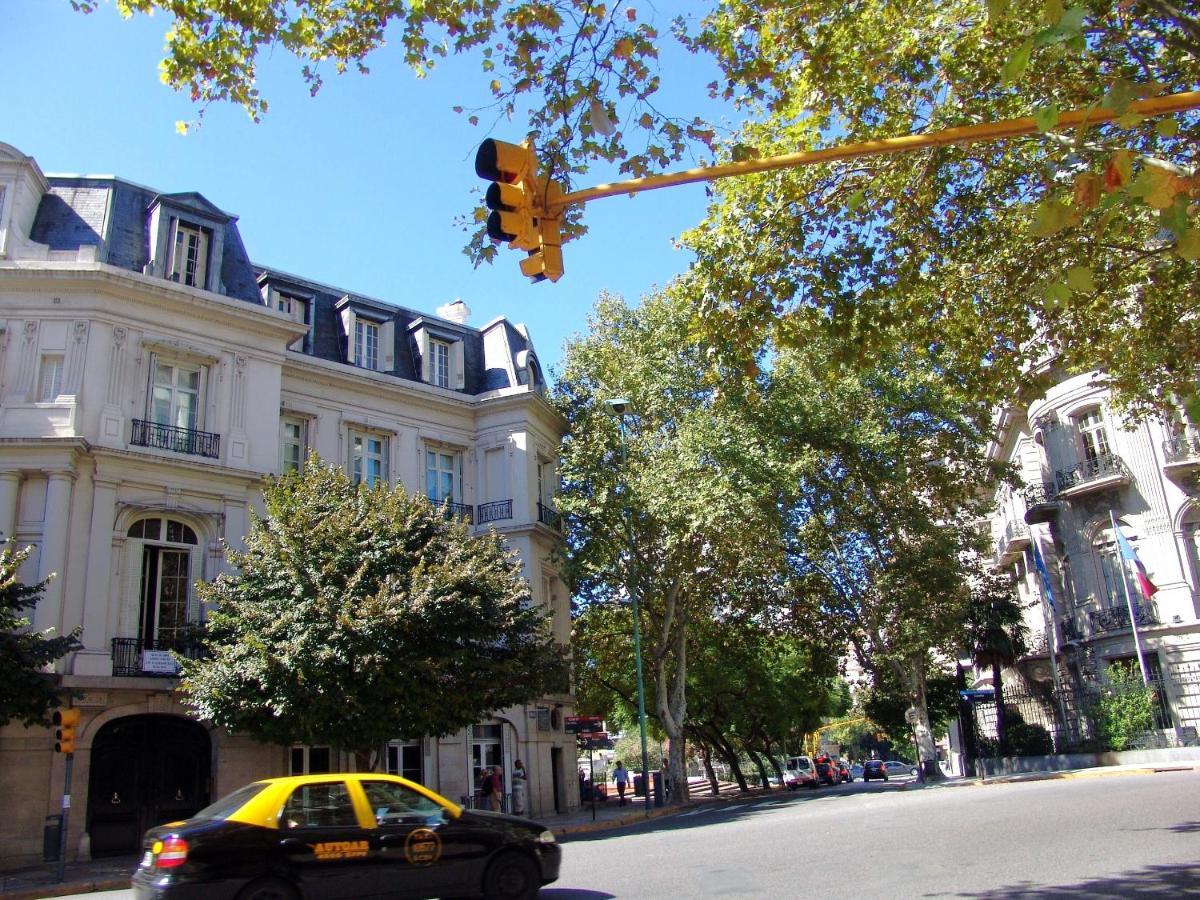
(1123, 709)
(1029, 740)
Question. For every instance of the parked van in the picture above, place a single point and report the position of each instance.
(801, 772)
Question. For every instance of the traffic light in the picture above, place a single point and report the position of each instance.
(65, 721)
(513, 170)
(524, 210)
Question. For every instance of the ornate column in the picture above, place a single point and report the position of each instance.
(10, 489)
(53, 550)
(95, 658)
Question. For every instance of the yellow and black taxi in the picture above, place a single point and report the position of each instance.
(363, 834)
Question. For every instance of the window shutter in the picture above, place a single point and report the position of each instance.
(130, 603)
(348, 328)
(458, 363)
(387, 346)
(423, 349)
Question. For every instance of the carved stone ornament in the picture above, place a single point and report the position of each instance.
(120, 333)
(81, 330)
(31, 329)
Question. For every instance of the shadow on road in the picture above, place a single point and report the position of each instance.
(1152, 881)
(573, 894)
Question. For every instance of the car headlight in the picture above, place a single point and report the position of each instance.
(545, 837)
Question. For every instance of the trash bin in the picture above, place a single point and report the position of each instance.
(639, 786)
(658, 787)
(51, 838)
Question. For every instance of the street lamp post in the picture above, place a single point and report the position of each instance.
(619, 407)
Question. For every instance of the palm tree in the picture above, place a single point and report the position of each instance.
(996, 636)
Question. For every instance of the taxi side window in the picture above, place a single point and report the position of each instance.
(395, 804)
(319, 806)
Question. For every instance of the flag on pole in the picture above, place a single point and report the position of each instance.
(1045, 576)
(1130, 555)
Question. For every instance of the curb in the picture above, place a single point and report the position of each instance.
(66, 888)
(1098, 772)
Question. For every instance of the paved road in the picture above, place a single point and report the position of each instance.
(1100, 837)
(1088, 837)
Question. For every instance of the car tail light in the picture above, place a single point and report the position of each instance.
(170, 852)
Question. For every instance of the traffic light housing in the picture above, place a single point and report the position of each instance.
(524, 212)
(65, 723)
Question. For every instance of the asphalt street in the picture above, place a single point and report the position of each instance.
(1094, 837)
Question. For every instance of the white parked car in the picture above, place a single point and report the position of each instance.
(896, 767)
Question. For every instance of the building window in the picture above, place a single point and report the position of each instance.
(485, 751)
(175, 395)
(1093, 437)
(404, 758)
(298, 309)
(1112, 572)
(366, 344)
(310, 761)
(189, 256)
(166, 617)
(439, 363)
(368, 458)
(292, 443)
(443, 476)
(50, 377)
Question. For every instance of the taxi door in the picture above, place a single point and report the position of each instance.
(324, 845)
(422, 851)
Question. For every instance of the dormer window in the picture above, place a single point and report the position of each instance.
(366, 344)
(439, 363)
(189, 256)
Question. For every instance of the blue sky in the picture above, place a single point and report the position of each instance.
(358, 187)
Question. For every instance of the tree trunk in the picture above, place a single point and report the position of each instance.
(670, 682)
(765, 780)
(775, 765)
(706, 756)
(926, 748)
(998, 687)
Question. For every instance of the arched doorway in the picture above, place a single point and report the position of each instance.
(145, 770)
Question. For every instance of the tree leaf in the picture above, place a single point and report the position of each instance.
(1017, 63)
(1080, 280)
(1188, 247)
(1046, 117)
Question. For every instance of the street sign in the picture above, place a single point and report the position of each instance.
(910, 715)
(597, 743)
(579, 724)
(987, 694)
(593, 735)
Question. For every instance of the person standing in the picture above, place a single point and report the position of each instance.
(520, 779)
(621, 777)
(495, 789)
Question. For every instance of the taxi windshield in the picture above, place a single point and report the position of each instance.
(230, 803)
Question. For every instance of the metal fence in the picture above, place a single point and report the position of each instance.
(1068, 715)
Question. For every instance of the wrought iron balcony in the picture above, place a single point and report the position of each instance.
(1090, 475)
(549, 516)
(152, 658)
(1012, 543)
(450, 509)
(1041, 502)
(1181, 455)
(493, 512)
(1069, 629)
(1116, 618)
(177, 440)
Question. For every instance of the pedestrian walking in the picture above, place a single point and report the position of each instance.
(520, 780)
(621, 777)
(491, 789)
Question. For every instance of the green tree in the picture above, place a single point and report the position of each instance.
(1123, 708)
(684, 517)
(361, 615)
(27, 690)
(996, 637)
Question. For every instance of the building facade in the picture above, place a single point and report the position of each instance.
(150, 377)
(1081, 468)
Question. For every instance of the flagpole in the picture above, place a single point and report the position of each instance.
(1050, 621)
(1137, 640)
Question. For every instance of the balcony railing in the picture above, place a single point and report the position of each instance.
(1011, 544)
(1098, 472)
(549, 516)
(493, 512)
(1041, 502)
(177, 440)
(139, 657)
(1182, 448)
(1116, 618)
(450, 509)
(1070, 629)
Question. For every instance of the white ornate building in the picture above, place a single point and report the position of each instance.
(1080, 462)
(150, 377)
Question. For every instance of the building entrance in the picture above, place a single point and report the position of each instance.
(145, 770)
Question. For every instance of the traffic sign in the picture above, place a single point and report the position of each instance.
(593, 735)
(579, 724)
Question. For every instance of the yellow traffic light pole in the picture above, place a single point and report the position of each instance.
(964, 134)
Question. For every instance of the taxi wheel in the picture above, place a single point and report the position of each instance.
(268, 889)
(511, 877)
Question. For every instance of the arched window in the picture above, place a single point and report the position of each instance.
(1190, 529)
(168, 557)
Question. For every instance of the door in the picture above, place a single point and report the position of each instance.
(323, 844)
(422, 850)
(145, 770)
